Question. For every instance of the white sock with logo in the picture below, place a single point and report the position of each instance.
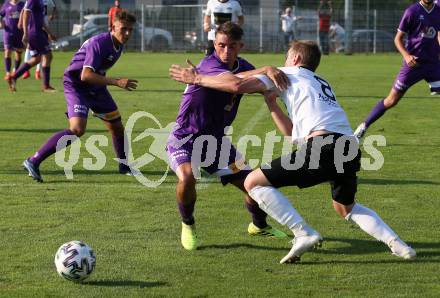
(277, 206)
(371, 223)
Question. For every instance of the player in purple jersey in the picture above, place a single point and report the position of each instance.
(36, 35)
(205, 112)
(85, 88)
(10, 14)
(420, 25)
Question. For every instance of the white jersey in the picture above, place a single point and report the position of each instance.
(221, 13)
(311, 104)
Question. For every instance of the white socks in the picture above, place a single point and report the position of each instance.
(274, 203)
(371, 223)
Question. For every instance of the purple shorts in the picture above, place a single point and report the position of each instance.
(39, 43)
(99, 101)
(214, 156)
(430, 72)
(13, 41)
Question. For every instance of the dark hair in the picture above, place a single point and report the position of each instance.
(231, 30)
(309, 52)
(125, 16)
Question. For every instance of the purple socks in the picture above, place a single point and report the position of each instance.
(8, 64)
(21, 70)
(49, 147)
(258, 215)
(186, 212)
(46, 76)
(119, 146)
(17, 63)
(375, 113)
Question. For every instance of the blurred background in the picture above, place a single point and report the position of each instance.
(368, 26)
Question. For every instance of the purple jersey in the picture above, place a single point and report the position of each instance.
(98, 53)
(421, 27)
(36, 21)
(11, 14)
(205, 111)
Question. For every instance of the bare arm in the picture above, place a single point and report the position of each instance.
(207, 23)
(226, 82)
(281, 120)
(25, 20)
(90, 77)
(400, 45)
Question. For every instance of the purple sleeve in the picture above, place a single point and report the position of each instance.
(93, 58)
(29, 5)
(406, 22)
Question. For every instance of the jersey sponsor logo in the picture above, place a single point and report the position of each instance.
(421, 17)
(429, 32)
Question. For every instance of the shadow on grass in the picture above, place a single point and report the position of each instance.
(240, 245)
(125, 283)
(375, 181)
(425, 250)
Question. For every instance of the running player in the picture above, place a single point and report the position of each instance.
(419, 29)
(10, 14)
(85, 87)
(36, 35)
(47, 18)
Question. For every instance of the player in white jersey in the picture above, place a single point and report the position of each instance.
(327, 151)
(219, 12)
(47, 18)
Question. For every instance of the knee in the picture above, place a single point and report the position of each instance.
(250, 183)
(342, 210)
(391, 101)
(78, 130)
(187, 180)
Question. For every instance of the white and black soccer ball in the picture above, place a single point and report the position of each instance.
(75, 261)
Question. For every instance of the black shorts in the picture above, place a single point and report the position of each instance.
(318, 161)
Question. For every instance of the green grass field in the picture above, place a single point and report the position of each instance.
(135, 231)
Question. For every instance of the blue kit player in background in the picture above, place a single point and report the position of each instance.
(207, 112)
(10, 15)
(85, 87)
(420, 25)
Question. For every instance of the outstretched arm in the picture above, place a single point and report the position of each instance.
(228, 82)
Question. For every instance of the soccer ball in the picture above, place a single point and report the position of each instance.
(75, 260)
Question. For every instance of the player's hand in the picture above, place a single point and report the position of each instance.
(279, 78)
(411, 61)
(127, 84)
(184, 75)
(25, 40)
